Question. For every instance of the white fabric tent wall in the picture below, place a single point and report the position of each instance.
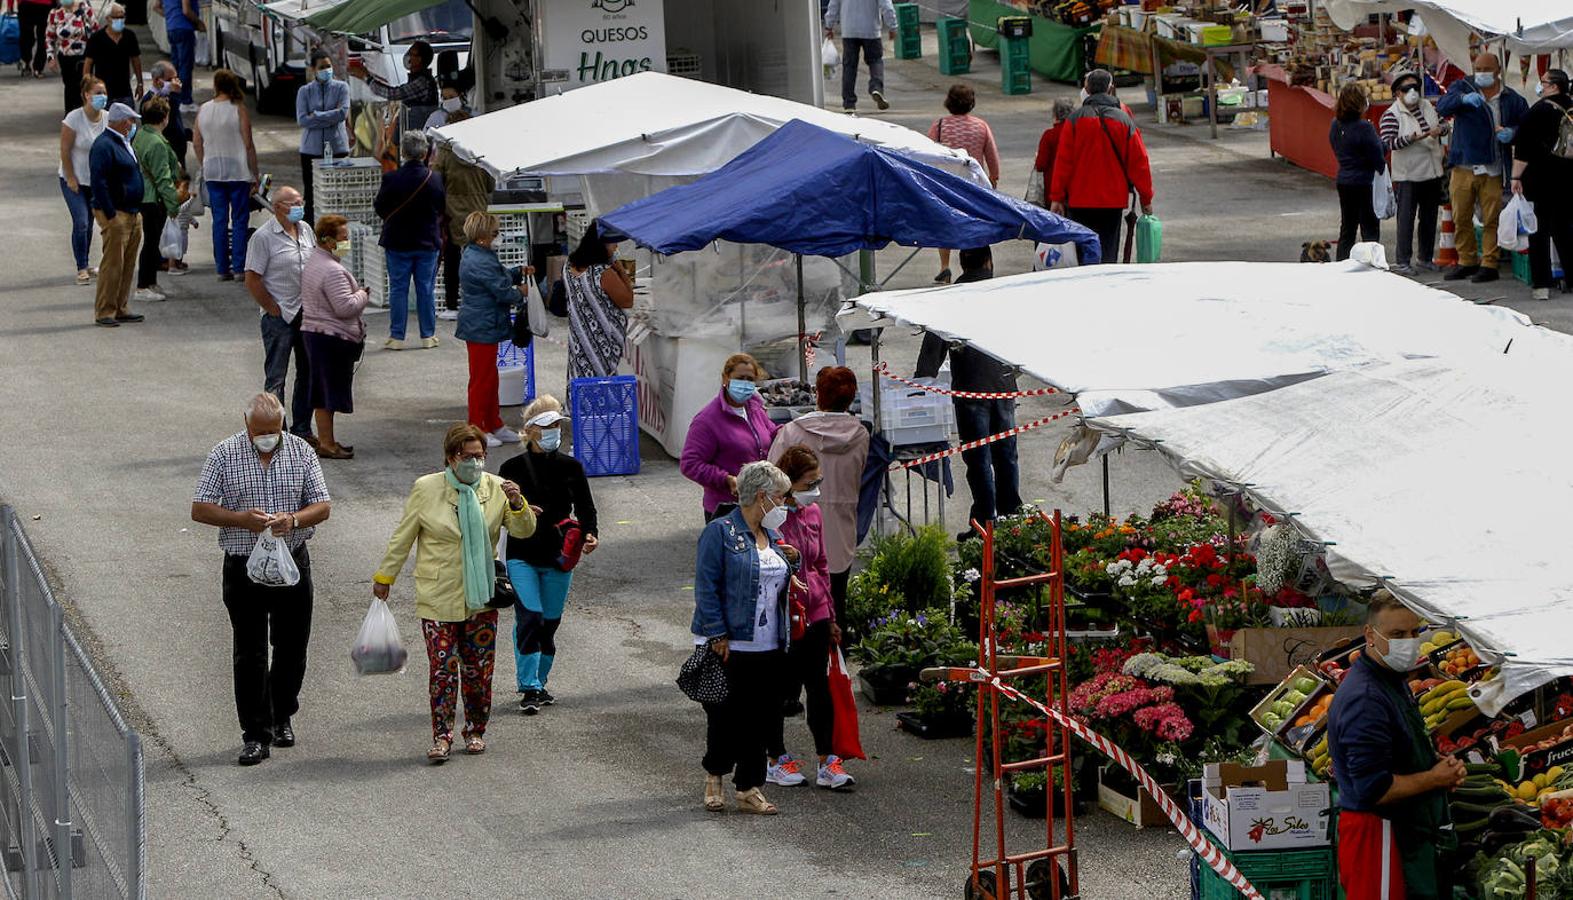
(1446, 479)
(1526, 26)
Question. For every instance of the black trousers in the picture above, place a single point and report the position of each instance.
(838, 592)
(71, 78)
(452, 251)
(1354, 209)
(33, 19)
(305, 186)
(1555, 224)
(1422, 198)
(267, 694)
(807, 666)
(1106, 222)
(738, 729)
(148, 258)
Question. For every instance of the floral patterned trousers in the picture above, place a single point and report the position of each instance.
(467, 647)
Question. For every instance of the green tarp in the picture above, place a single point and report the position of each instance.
(1056, 51)
(365, 16)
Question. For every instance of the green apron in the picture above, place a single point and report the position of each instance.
(1422, 825)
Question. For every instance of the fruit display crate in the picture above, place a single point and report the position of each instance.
(346, 187)
(1276, 875)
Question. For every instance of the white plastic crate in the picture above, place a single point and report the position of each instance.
(908, 415)
(346, 187)
(363, 243)
(375, 279)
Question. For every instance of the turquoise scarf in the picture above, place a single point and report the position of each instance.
(480, 573)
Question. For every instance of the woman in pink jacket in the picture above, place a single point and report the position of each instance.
(808, 654)
(332, 328)
(730, 432)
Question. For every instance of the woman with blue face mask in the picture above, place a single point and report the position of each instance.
(322, 106)
(729, 432)
(78, 131)
(540, 567)
(451, 520)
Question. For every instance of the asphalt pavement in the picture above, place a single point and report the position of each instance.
(102, 434)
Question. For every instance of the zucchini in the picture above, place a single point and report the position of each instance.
(1471, 826)
(1481, 809)
(1488, 769)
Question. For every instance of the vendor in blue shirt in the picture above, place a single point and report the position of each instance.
(322, 106)
(1394, 832)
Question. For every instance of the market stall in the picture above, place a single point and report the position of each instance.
(1057, 48)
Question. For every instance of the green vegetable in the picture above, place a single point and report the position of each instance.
(1304, 684)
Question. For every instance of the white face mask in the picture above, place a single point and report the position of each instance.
(1412, 97)
(1402, 654)
(775, 517)
(266, 443)
(453, 104)
(806, 498)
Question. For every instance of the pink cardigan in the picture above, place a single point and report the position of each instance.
(331, 302)
(720, 442)
(804, 529)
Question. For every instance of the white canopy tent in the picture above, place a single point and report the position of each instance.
(1134, 338)
(1445, 479)
(1524, 26)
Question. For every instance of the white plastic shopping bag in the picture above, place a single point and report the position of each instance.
(1516, 223)
(1054, 256)
(1383, 203)
(535, 308)
(271, 563)
(829, 55)
(378, 649)
(172, 240)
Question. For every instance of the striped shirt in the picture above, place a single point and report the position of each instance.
(971, 134)
(235, 478)
(596, 326)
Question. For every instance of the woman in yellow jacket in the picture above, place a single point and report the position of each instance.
(455, 515)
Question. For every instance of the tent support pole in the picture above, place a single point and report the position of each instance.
(873, 352)
(1105, 485)
(802, 326)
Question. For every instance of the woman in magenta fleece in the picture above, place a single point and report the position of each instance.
(730, 432)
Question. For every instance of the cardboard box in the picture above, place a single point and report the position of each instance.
(1266, 807)
(1275, 652)
(1558, 750)
(1141, 810)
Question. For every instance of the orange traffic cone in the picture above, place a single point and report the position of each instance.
(1446, 249)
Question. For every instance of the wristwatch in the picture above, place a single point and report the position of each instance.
(294, 522)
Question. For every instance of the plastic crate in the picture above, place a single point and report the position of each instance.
(908, 415)
(909, 41)
(346, 187)
(1015, 66)
(606, 424)
(1013, 27)
(1277, 875)
(512, 390)
(1521, 267)
(684, 63)
(955, 52)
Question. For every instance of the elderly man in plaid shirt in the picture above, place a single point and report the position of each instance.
(264, 479)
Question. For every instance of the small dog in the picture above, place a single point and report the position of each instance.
(1316, 252)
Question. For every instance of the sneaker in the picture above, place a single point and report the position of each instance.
(506, 435)
(1485, 275)
(448, 315)
(393, 344)
(879, 99)
(1428, 266)
(492, 442)
(1541, 293)
(428, 343)
(530, 703)
(178, 268)
(226, 276)
(148, 295)
(93, 271)
(849, 110)
(83, 278)
(832, 775)
(1459, 273)
(1401, 269)
(787, 772)
(547, 699)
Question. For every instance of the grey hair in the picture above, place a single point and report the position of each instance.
(413, 145)
(760, 476)
(1099, 81)
(163, 69)
(115, 11)
(1063, 107)
(264, 407)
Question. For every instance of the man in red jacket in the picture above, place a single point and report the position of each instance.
(1101, 161)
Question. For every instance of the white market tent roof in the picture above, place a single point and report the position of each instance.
(300, 9)
(1132, 338)
(1526, 26)
(661, 125)
(1447, 479)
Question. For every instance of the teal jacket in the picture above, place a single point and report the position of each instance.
(158, 168)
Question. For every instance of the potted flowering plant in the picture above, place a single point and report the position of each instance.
(910, 573)
(1137, 715)
(896, 648)
(1212, 693)
(942, 709)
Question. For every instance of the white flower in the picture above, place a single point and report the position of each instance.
(1126, 581)
(971, 575)
(1159, 581)
(1160, 570)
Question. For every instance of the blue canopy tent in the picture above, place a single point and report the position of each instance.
(813, 192)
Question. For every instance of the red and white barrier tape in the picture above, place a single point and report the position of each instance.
(884, 369)
(1012, 432)
(1203, 847)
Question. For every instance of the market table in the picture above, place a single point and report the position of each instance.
(1055, 50)
(1299, 119)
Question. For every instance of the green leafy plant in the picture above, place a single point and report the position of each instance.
(910, 573)
(906, 641)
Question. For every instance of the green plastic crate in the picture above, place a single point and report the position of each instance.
(909, 41)
(1015, 66)
(1521, 267)
(955, 53)
(1277, 874)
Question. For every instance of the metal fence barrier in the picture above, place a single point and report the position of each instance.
(72, 814)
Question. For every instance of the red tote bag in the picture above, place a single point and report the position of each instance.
(844, 740)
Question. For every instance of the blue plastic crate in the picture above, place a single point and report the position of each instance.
(606, 424)
(509, 355)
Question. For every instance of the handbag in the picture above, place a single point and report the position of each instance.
(573, 543)
(503, 595)
(702, 678)
(798, 616)
(845, 741)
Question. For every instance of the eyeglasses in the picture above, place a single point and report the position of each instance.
(478, 457)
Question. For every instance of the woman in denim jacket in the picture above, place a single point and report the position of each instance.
(740, 590)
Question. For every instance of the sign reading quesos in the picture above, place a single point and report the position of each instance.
(598, 40)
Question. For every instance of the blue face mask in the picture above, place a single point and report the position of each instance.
(740, 390)
(324, 75)
(100, 101)
(1485, 79)
(133, 132)
(551, 439)
(117, 24)
(296, 213)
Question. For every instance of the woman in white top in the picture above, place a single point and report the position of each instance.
(78, 130)
(228, 160)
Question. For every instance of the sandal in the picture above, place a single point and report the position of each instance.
(438, 754)
(715, 794)
(474, 745)
(753, 801)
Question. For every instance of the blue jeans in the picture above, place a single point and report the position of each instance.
(992, 475)
(229, 201)
(280, 340)
(81, 222)
(183, 53)
(542, 595)
(873, 51)
(401, 265)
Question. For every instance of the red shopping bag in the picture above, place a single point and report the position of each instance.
(844, 740)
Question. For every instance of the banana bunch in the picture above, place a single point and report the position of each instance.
(1442, 701)
(1320, 758)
